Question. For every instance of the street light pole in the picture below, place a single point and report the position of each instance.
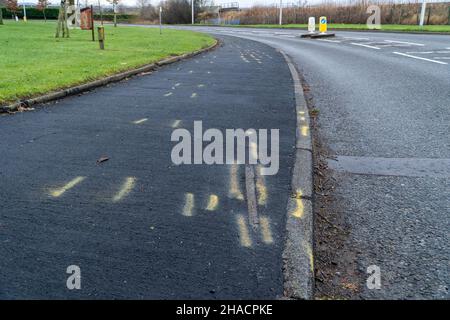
(192, 13)
(281, 12)
(160, 20)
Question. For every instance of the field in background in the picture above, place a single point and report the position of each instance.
(34, 62)
(348, 12)
(343, 26)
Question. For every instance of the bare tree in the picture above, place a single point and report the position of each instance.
(146, 10)
(42, 6)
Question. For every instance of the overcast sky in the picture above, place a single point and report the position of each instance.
(242, 3)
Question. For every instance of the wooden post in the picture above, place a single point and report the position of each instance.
(101, 37)
(92, 22)
(1, 15)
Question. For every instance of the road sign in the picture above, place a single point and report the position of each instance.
(323, 25)
(311, 24)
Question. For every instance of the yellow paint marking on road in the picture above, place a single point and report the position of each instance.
(244, 235)
(59, 192)
(235, 191)
(261, 188)
(140, 121)
(304, 131)
(126, 188)
(299, 207)
(213, 202)
(188, 204)
(303, 118)
(194, 95)
(168, 94)
(265, 230)
(176, 123)
(310, 255)
(301, 112)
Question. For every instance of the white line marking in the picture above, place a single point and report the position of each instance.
(168, 94)
(355, 38)
(419, 58)
(405, 42)
(140, 121)
(194, 95)
(328, 40)
(364, 45)
(126, 188)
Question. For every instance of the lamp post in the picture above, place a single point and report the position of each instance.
(192, 13)
(281, 12)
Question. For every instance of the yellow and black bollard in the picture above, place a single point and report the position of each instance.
(101, 37)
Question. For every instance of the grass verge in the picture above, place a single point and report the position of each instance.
(33, 62)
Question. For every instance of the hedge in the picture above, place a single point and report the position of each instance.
(33, 13)
(52, 13)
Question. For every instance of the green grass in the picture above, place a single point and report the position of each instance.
(336, 26)
(33, 62)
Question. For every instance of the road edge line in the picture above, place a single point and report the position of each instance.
(25, 104)
(298, 258)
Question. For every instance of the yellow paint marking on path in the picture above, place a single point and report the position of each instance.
(299, 207)
(140, 121)
(59, 192)
(304, 131)
(310, 255)
(194, 95)
(176, 123)
(244, 235)
(213, 202)
(168, 94)
(265, 230)
(261, 187)
(126, 188)
(235, 191)
(188, 205)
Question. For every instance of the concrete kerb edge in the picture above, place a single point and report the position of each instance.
(298, 256)
(56, 95)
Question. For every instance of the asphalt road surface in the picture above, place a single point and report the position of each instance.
(137, 225)
(384, 112)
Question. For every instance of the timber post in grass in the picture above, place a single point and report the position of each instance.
(1, 16)
(101, 37)
(62, 28)
(92, 22)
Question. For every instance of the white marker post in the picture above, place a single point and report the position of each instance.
(311, 25)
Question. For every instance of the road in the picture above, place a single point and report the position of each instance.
(384, 120)
(137, 225)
